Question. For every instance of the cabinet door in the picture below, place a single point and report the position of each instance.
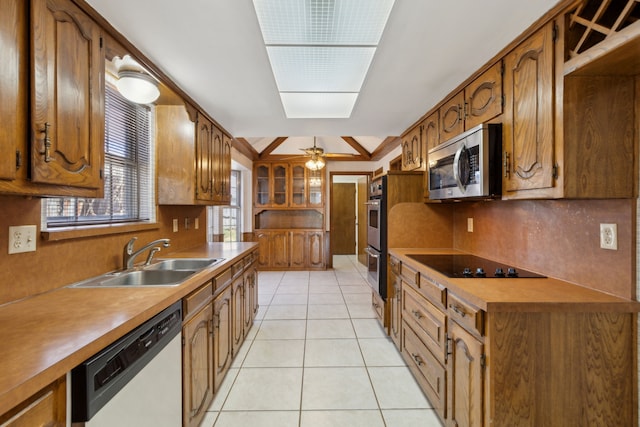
(197, 366)
(262, 185)
(279, 249)
(221, 162)
(238, 296)
(394, 298)
(222, 336)
(452, 117)
(264, 249)
(280, 185)
(315, 241)
(528, 126)
(483, 97)
(45, 408)
(299, 249)
(204, 156)
(298, 185)
(466, 367)
(12, 85)
(67, 99)
(412, 150)
(250, 297)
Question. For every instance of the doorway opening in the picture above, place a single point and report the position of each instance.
(347, 214)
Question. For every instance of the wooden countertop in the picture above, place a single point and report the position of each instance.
(45, 336)
(519, 295)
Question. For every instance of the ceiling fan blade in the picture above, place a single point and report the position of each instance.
(339, 154)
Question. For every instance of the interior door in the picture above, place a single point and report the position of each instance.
(343, 219)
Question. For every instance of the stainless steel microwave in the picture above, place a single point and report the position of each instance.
(467, 165)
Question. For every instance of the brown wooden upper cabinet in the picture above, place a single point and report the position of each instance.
(479, 102)
(183, 144)
(287, 185)
(67, 98)
(66, 91)
(412, 150)
(528, 129)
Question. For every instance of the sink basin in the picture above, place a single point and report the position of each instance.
(183, 263)
(165, 272)
(137, 278)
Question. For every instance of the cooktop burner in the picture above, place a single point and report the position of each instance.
(461, 266)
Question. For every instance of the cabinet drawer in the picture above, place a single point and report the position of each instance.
(222, 280)
(433, 291)
(428, 322)
(196, 299)
(466, 315)
(237, 267)
(430, 374)
(409, 275)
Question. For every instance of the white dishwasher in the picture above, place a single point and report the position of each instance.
(136, 381)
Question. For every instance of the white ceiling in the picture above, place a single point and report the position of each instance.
(213, 50)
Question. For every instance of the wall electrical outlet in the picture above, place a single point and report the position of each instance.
(470, 225)
(609, 236)
(175, 225)
(22, 238)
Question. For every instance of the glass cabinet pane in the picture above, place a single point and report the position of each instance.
(315, 188)
(297, 186)
(280, 185)
(262, 185)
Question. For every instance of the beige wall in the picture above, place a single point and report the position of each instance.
(56, 264)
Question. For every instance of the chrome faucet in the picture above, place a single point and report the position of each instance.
(128, 255)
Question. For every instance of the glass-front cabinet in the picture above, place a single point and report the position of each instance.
(298, 185)
(270, 185)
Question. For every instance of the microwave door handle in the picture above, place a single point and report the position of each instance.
(456, 167)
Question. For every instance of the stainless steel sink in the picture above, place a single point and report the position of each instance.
(165, 272)
(137, 278)
(183, 263)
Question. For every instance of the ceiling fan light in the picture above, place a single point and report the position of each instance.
(137, 87)
(314, 163)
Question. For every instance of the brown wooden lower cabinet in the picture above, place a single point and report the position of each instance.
(291, 249)
(45, 408)
(217, 317)
(512, 368)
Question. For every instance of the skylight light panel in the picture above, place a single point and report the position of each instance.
(330, 22)
(318, 105)
(320, 69)
(320, 50)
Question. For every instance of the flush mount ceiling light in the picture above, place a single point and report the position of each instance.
(134, 82)
(320, 51)
(137, 86)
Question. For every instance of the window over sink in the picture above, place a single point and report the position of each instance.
(128, 172)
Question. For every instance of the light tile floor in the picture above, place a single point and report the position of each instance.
(317, 357)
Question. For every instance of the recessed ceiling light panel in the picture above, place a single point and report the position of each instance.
(320, 69)
(332, 22)
(318, 105)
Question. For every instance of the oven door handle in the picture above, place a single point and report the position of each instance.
(372, 203)
(371, 253)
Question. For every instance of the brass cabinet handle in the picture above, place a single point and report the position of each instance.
(416, 314)
(417, 359)
(47, 143)
(505, 164)
(458, 310)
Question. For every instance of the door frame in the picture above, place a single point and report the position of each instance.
(369, 176)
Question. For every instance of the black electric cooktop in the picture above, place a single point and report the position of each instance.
(471, 266)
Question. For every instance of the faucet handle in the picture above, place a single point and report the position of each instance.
(129, 245)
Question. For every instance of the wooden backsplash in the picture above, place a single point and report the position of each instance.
(56, 264)
(558, 238)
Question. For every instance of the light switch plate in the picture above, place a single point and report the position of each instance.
(470, 225)
(175, 225)
(22, 238)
